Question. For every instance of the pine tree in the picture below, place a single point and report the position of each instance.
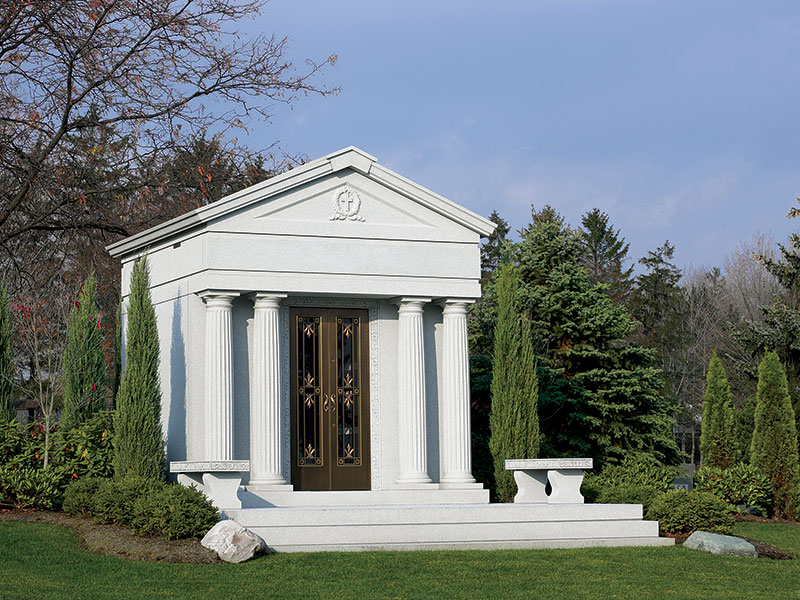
(138, 440)
(774, 447)
(604, 254)
(599, 395)
(7, 411)
(717, 438)
(83, 362)
(514, 419)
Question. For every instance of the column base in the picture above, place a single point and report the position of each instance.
(264, 486)
(460, 485)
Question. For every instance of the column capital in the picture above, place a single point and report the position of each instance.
(218, 298)
(455, 305)
(410, 303)
(267, 299)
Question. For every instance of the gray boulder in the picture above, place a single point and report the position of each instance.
(720, 544)
(232, 542)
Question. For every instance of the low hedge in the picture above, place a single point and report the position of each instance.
(628, 494)
(148, 506)
(679, 511)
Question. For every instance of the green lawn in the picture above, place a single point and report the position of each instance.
(40, 560)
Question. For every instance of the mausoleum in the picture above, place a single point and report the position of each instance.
(314, 365)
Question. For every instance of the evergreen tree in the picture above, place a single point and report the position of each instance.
(745, 419)
(514, 420)
(599, 395)
(138, 439)
(83, 362)
(7, 411)
(604, 255)
(774, 447)
(717, 439)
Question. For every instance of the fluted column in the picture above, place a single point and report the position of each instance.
(265, 393)
(218, 376)
(413, 453)
(456, 452)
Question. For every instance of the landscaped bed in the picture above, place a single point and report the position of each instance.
(46, 560)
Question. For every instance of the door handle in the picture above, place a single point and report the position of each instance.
(328, 401)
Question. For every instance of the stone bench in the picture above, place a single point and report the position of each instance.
(219, 480)
(565, 476)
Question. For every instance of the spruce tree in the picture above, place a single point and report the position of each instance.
(138, 440)
(717, 438)
(514, 419)
(84, 363)
(605, 254)
(599, 395)
(7, 411)
(774, 447)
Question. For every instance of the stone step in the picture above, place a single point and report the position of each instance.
(265, 498)
(298, 529)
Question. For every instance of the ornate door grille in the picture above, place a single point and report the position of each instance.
(330, 399)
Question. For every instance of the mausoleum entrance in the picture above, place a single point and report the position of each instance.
(329, 375)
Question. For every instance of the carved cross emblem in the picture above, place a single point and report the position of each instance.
(346, 204)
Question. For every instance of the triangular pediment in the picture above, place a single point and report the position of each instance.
(345, 194)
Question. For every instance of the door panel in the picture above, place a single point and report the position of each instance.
(330, 399)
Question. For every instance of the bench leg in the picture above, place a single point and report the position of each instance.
(566, 486)
(530, 487)
(222, 489)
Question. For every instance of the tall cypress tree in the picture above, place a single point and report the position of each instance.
(138, 439)
(6, 359)
(84, 362)
(514, 419)
(774, 447)
(717, 437)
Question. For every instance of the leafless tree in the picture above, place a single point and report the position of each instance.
(94, 92)
(750, 285)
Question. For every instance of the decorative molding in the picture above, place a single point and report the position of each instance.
(374, 377)
(346, 204)
(208, 466)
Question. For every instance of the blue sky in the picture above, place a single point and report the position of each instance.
(678, 118)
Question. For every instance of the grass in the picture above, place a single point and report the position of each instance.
(39, 560)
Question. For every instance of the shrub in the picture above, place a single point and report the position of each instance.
(29, 488)
(737, 485)
(174, 512)
(629, 494)
(639, 470)
(80, 495)
(115, 498)
(679, 511)
(85, 450)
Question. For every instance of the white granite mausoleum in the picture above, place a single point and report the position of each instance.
(315, 326)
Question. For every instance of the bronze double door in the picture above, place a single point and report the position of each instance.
(330, 399)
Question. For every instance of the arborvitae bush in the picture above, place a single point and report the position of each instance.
(718, 436)
(679, 511)
(174, 512)
(514, 418)
(148, 506)
(773, 450)
(80, 494)
(7, 411)
(114, 500)
(138, 441)
(744, 419)
(84, 362)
